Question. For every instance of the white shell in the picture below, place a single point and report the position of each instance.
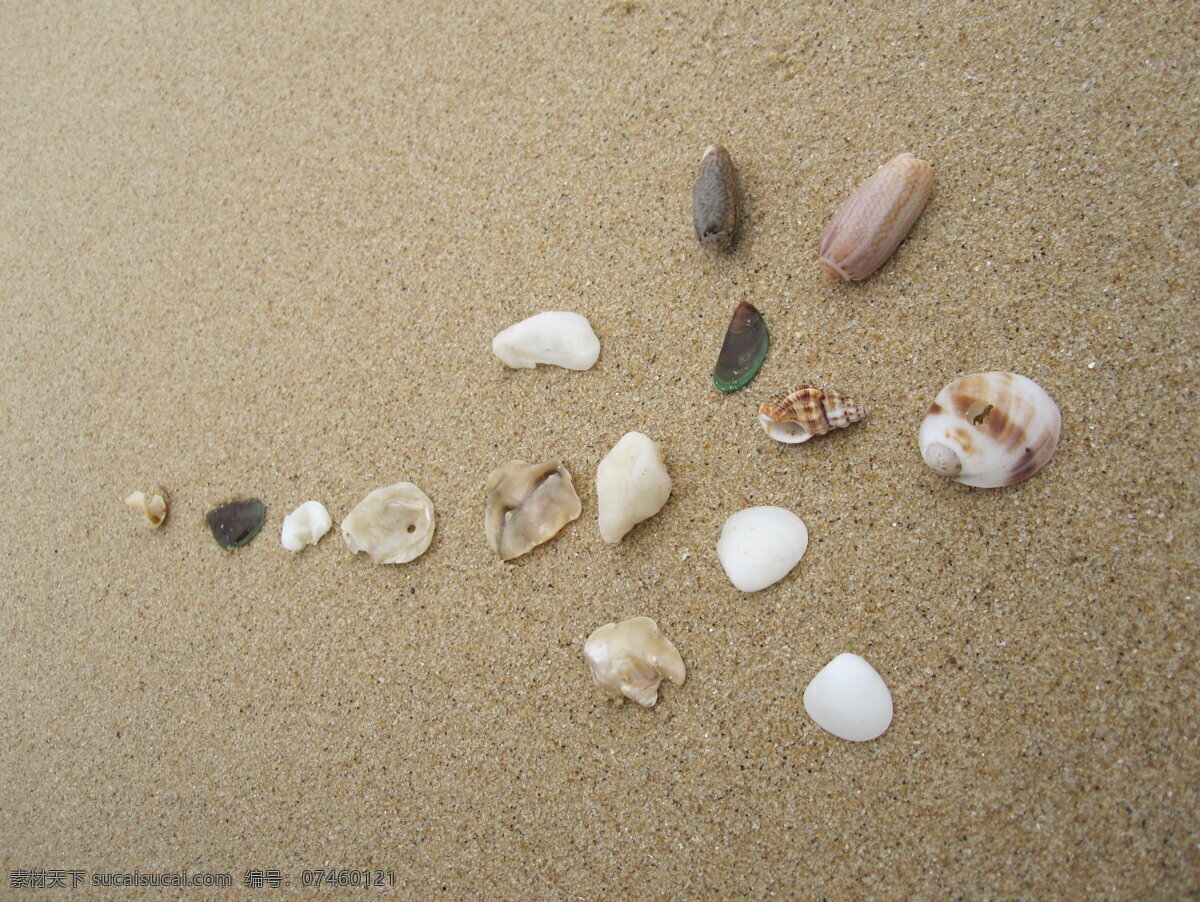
(849, 699)
(990, 429)
(393, 525)
(760, 545)
(632, 485)
(152, 507)
(557, 338)
(305, 526)
(631, 658)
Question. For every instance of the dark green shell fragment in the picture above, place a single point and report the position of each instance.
(744, 350)
(236, 523)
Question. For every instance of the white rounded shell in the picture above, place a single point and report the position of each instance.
(557, 338)
(849, 699)
(305, 526)
(760, 545)
(990, 429)
(632, 485)
(393, 525)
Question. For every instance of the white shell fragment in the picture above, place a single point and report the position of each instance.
(305, 526)
(152, 507)
(990, 429)
(557, 338)
(393, 525)
(527, 504)
(631, 658)
(760, 545)
(849, 699)
(632, 485)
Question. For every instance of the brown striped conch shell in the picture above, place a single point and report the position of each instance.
(990, 430)
(870, 225)
(806, 411)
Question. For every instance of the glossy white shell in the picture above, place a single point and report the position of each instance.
(760, 545)
(557, 338)
(990, 429)
(631, 658)
(632, 485)
(305, 526)
(849, 699)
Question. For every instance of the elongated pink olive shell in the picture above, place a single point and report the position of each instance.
(874, 220)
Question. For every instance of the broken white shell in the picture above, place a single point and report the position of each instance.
(806, 411)
(393, 524)
(153, 507)
(760, 545)
(527, 504)
(632, 485)
(557, 338)
(990, 429)
(305, 526)
(631, 658)
(849, 699)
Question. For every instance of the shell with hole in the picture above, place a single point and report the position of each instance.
(806, 411)
(990, 430)
(393, 525)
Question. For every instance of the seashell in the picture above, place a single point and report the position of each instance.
(806, 411)
(393, 525)
(305, 526)
(870, 225)
(631, 658)
(760, 545)
(235, 524)
(990, 429)
(849, 699)
(714, 200)
(744, 349)
(632, 485)
(153, 508)
(557, 338)
(527, 505)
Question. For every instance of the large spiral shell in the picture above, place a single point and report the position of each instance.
(806, 411)
(990, 429)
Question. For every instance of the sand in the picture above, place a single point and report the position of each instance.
(261, 250)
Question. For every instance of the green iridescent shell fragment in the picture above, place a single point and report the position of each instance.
(236, 523)
(744, 350)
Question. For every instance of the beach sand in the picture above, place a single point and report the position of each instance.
(262, 249)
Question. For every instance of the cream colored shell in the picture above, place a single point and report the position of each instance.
(527, 504)
(152, 507)
(393, 524)
(632, 485)
(631, 658)
(990, 429)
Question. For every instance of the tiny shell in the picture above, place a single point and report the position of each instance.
(632, 485)
(631, 658)
(990, 429)
(527, 505)
(806, 411)
(714, 201)
(849, 699)
(760, 545)
(870, 225)
(153, 508)
(555, 337)
(393, 525)
(305, 526)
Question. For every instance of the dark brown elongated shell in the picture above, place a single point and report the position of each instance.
(805, 411)
(714, 201)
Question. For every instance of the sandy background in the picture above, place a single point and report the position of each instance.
(261, 249)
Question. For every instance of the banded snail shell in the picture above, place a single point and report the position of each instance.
(805, 411)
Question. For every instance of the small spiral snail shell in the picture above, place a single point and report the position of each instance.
(990, 430)
(806, 411)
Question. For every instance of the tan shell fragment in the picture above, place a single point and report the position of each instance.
(806, 411)
(990, 430)
(870, 225)
(394, 524)
(153, 507)
(714, 200)
(527, 504)
(631, 658)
